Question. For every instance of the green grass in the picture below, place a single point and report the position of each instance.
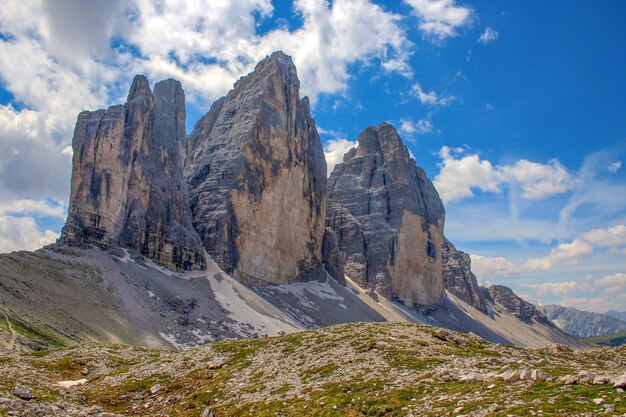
(614, 339)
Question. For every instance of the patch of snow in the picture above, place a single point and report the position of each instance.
(126, 257)
(161, 269)
(248, 318)
(304, 290)
(151, 294)
(69, 384)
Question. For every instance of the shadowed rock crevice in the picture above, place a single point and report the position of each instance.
(127, 181)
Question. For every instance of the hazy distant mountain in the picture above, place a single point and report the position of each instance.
(583, 323)
(620, 315)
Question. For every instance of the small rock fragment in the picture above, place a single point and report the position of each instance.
(598, 401)
(155, 388)
(621, 381)
(22, 392)
(601, 380)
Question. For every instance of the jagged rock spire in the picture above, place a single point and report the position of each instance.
(127, 182)
(257, 179)
(388, 219)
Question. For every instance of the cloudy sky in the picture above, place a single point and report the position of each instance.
(516, 110)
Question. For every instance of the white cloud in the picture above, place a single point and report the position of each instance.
(431, 98)
(557, 288)
(609, 237)
(459, 174)
(421, 127)
(489, 35)
(486, 267)
(540, 180)
(22, 233)
(334, 151)
(440, 19)
(615, 282)
(458, 177)
(614, 166)
(33, 207)
(565, 253)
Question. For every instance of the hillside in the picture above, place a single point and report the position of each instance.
(67, 295)
(394, 369)
(613, 339)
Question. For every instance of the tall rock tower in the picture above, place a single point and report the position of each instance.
(127, 179)
(388, 219)
(257, 179)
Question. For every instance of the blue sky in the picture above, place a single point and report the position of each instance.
(517, 111)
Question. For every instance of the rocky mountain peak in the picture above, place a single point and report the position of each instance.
(257, 178)
(139, 88)
(514, 304)
(388, 219)
(127, 182)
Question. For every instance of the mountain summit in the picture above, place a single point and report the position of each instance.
(257, 179)
(388, 219)
(127, 183)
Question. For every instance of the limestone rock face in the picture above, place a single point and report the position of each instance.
(127, 181)
(257, 179)
(332, 256)
(514, 304)
(388, 219)
(459, 278)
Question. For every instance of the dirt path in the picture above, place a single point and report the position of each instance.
(11, 341)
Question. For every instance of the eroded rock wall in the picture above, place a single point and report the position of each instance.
(388, 219)
(127, 183)
(257, 179)
(459, 278)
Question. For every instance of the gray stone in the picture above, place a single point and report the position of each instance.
(332, 256)
(621, 381)
(127, 181)
(388, 219)
(459, 278)
(23, 392)
(257, 179)
(514, 304)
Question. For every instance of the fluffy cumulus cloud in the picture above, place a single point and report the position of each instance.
(334, 150)
(22, 233)
(609, 237)
(461, 173)
(488, 36)
(557, 288)
(82, 55)
(440, 19)
(564, 253)
(486, 267)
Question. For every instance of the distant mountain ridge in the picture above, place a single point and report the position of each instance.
(583, 324)
(620, 315)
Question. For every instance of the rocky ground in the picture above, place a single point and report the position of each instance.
(395, 369)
